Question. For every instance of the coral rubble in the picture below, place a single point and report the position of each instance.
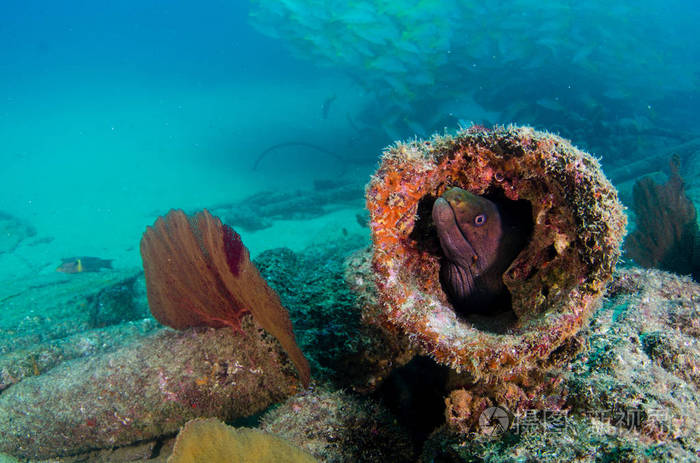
(555, 282)
(199, 273)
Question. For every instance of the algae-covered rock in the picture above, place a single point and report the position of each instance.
(337, 427)
(144, 390)
(211, 441)
(554, 283)
(49, 319)
(321, 306)
(50, 307)
(643, 357)
(581, 440)
(631, 395)
(39, 358)
(327, 315)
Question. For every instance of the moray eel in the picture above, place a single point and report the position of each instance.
(478, 245)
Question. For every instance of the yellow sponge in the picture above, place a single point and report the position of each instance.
(211, 441)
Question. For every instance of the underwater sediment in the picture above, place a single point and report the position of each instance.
(573, 224)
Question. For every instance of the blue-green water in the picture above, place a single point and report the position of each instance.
(111, 113)
(114, 112)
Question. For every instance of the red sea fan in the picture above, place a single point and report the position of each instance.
(667, 230)
(199, 273)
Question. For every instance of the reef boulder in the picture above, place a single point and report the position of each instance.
(144, 390)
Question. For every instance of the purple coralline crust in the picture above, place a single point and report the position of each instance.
(144, 390)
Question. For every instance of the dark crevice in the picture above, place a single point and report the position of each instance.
(415, 393)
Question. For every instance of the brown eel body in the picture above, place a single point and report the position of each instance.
(479, 244)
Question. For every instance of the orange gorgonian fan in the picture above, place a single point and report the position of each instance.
(199, 273)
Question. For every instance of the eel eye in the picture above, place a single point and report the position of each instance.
(479, 220)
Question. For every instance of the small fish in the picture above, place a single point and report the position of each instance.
(83, 264)
(478, 247)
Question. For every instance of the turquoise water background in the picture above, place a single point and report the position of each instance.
(113, 112)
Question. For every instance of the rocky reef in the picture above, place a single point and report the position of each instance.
(630, 395)
(337, 427)
(587, 363)
(636, 361)
(61, 402)
(143, 391)
(325, 312)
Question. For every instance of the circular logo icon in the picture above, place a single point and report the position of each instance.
(494, 421)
